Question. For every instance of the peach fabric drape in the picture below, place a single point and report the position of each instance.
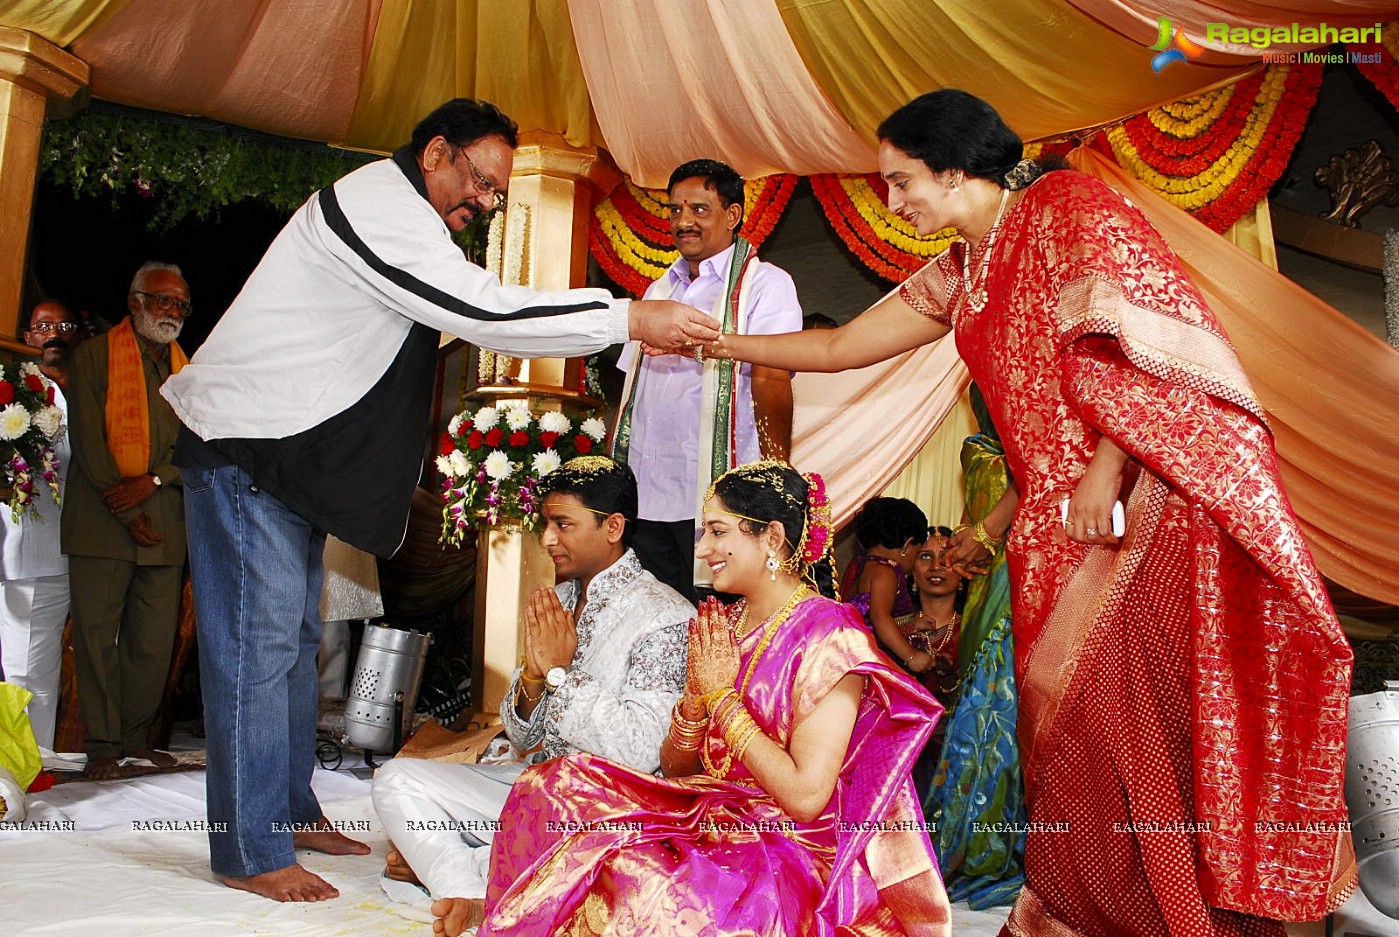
(291, 67)
(675, 81)
(860, 428)
(1330, 387)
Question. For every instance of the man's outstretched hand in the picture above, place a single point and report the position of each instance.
(664, 323)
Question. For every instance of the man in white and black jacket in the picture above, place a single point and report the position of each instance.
(303, 415)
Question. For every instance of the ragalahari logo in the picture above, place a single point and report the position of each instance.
(1165, 56)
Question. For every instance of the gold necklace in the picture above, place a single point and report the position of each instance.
(946, 630)
(774, 622)
(976, 295)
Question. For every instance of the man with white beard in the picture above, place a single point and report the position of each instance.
(123, 524)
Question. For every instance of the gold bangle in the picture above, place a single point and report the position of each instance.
(981, 536)
(684, 743)
(677, 715)
(711, 699)
(525, 676)
(741, 749)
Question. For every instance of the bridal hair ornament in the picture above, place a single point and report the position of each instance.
(1022, 174)
(818, 534)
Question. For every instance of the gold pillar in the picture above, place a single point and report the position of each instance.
(32, 70)
(547, 220)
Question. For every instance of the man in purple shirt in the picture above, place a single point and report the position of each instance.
(684, 420)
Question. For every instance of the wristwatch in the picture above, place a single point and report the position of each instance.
(555, 677)
(155, 479)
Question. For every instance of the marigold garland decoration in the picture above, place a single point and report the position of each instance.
(1383, 74)
(629, 234)
(1217, 154)
(857, 206)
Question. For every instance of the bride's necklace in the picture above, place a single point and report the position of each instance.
(975, 289)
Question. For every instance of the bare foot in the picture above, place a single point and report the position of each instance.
(457, 915)
(102, 768)
(397, 868)
(292, 883)
(155, 756)
(322, 837)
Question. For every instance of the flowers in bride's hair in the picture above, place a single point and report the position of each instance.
(552, 421)
(493, 459)
(545, 462)
(485, 418)
(498, 466)
(14, 421)
(594, 428)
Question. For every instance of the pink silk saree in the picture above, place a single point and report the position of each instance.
(1183, 695)
(590, 847)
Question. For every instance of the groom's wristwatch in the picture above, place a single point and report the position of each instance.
(555, 677)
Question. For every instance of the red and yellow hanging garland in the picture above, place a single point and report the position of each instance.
(857, 208)
(1217, 154)
(629, 234)
(1383, 74)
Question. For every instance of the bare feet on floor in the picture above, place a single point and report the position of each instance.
(397, 868)
(457, 915)
(155, 756)
(292, 883)
(327, 839)
(102, 768)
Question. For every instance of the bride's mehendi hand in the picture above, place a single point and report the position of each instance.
(713, 659)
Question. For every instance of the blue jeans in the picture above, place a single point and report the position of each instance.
(256, 567)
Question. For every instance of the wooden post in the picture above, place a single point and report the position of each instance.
(547, 219)
(32, 71)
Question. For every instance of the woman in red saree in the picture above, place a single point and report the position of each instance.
(1183, 688)
(788, 804)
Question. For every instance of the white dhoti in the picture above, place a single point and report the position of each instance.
(442, 818)
(32, 615)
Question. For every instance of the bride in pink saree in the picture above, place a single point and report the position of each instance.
(1183, 687)
(788, 804)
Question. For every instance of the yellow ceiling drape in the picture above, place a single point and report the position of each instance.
(1046, 67)
(518, 55)
(58, 21)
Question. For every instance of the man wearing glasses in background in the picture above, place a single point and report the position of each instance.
(123, 522)
(306, 413)
(33, 571)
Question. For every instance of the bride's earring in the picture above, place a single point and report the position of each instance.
(772, 565)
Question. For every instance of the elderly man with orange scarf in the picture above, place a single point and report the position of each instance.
(123, 524)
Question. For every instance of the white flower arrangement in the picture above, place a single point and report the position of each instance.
(545, 462)
(552, 421)
(595, 428)
(14, 422)
(493, 459)
(485, 419)
(30, 424)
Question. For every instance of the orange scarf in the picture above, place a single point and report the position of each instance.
(128, 415)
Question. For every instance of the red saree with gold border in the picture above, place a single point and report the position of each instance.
(1184, 693)
(591, 847)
